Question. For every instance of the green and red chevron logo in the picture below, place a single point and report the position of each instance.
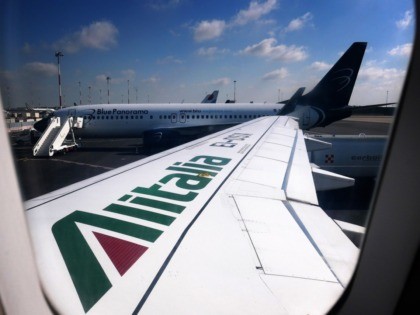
(89, 278)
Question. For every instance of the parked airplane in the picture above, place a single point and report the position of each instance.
(211, 98)
(326, 103)
(43, 110)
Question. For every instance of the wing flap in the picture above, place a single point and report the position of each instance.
(336, 249)
(279, 241)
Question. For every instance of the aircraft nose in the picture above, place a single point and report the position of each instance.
(42, 124)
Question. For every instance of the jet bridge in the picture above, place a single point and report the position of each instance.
(55, 137)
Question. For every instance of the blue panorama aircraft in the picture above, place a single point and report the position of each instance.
(325, 103)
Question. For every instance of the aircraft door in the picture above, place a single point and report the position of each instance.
(173, 117)
(182, 117)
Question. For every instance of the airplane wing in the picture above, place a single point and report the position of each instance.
(226, 224)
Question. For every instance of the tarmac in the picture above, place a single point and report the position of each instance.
(38, 176)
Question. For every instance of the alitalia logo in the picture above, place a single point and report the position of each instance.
(86, 272)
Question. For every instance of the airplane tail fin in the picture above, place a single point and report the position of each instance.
(292, 102)
(211, 98)
(335, 88)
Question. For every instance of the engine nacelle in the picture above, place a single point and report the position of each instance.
(160, 137)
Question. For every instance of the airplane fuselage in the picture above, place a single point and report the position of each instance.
(120, 120)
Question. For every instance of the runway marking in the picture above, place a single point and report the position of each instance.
(70, 162)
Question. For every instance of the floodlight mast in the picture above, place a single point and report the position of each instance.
(59, 54)
(107, 81)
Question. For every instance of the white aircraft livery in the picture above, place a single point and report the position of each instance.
(226, 224)
(326, 103)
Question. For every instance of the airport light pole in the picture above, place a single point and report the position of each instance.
(59, 54)
(234, 91)
(80, 93)
(128, 90)
(107, 81)
(8, 96)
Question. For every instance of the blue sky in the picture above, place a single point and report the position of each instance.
(180, 50)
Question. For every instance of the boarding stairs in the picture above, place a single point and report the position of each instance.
(55, 137)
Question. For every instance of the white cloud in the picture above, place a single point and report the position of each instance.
(406, 21)
(98, 35)
(221, 81)
(206, 30)
(299, 22)
(376, 73)
(320, 66)
(101, 78)
(152, 79)
(401, 50)
(169, 59)
(47, 69)
(254, 12)
(276, 74)
(128, 74)
(210, 51)
(267, 48)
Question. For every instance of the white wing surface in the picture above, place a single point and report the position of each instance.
(227, 224)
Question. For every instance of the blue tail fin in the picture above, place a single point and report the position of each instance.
(211, 98)
(335, 88)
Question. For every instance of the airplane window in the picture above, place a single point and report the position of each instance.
(338, 81)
